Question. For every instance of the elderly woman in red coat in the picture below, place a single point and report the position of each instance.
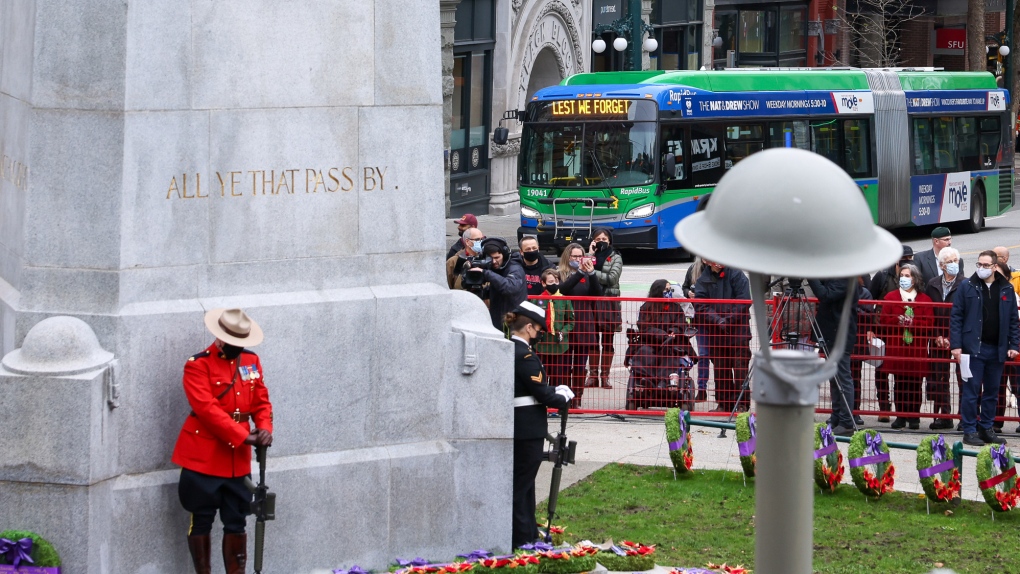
(906, 327)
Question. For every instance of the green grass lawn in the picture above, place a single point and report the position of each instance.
(708, 516)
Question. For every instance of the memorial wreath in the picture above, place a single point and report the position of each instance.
(938, 474)
(747, 442)
(870, 467)
(626, 556)
(828, 459)
(27, 553)
(679, 436)
(996, 474)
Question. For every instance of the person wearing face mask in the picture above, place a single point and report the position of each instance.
(608, 268)
(942, 289)
(227, 392)
(577, 279)
(983, 324)
(559, 322)
(534, 263)
(532, 396)
(905, 324)
(467, 221)
(471, 246)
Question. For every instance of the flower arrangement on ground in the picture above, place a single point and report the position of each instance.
(996, 474)
(557, 533)
(870, 467)
(627, 556)
(939, 476)
(24, 549)
(828, 459)
(679, 436)
(747, 442)
(567, 560)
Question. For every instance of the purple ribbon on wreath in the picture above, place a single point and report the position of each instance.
(540, 546)
(474, 556)
(15, 552)
(873, 450)
(419, 561)
(618, 551)
(747, 447)
(938, 455)
(828, 443)
(999, 456)
(680, 442)
(354, 570)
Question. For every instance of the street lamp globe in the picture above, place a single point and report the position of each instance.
(620, 44)
(1004, 50)
(717, 42)
(598, 46)
(650, 44)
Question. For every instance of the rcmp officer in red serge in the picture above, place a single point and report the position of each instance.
(532, 395)
(227, 393)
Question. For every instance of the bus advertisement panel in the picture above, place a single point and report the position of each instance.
(639, 151)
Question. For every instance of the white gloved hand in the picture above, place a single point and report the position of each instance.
(565, 392)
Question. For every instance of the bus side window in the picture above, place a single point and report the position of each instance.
(742, 141)
(825, 140)
(967, 135)
(944, 132)
(857, 147)
(797, 132)
(989, 142)
(671, 141)
(921, 134)
(707, 144)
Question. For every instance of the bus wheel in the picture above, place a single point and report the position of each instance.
(977, 212)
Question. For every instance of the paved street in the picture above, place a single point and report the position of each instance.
(641, 440)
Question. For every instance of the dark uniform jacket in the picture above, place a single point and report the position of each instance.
(212, 438)
(530, 421)
(966, 317)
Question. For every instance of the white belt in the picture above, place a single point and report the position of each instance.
(525, 401)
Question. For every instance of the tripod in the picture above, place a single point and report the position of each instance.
(790, 310)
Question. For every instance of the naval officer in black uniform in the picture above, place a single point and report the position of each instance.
(532, 396)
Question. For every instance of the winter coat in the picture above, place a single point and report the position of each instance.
(506, 289)
(579, 284)
(728, 324)
(558, 324)
(831, 293)
(894, 334)
(966, 318)
(609, 276)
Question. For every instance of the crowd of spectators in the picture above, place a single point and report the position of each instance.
(915, 346)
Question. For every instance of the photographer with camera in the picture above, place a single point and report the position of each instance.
(471, 242)
(504, 275)
(577, 279)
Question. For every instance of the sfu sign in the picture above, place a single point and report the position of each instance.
(950, 40)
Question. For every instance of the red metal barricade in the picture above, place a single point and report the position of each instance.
(639, 356)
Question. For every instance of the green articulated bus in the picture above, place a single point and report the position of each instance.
(639, 151)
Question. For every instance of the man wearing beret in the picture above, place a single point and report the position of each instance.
(225, 387)
(928, 260)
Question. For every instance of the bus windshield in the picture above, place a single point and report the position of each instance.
(588, 154)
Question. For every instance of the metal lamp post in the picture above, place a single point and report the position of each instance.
(629, 31)
(766, 222)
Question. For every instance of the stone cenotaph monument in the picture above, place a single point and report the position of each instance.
(160, 159)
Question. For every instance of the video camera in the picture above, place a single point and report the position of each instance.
(472, 271)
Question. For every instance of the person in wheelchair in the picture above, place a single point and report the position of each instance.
(658, 353)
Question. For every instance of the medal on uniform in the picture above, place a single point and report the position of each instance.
(244, 372)
(255, 372)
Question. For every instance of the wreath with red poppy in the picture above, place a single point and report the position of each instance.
(939, 476)
(679, 437)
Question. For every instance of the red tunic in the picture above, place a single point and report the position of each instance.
(891, 332)
(211, 441)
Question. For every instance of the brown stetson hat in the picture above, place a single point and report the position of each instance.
(233, 326)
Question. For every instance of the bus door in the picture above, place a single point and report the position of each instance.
(674, 184)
